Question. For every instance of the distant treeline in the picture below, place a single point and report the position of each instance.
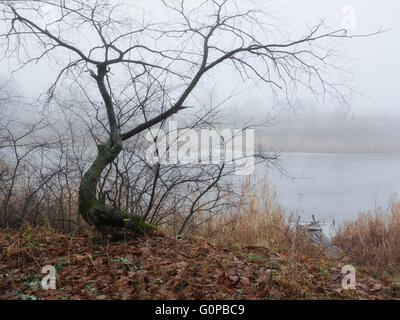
(329, 134)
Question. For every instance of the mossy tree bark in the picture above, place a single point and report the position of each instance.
(94, 211)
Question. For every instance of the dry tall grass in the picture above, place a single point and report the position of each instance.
(258, 220)
(373, 239)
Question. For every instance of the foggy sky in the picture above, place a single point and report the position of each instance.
(374, 61)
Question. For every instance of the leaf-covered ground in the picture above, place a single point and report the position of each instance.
(168, 268)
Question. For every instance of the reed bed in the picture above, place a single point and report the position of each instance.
(373, 239)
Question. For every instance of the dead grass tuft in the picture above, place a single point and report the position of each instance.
(373, 239)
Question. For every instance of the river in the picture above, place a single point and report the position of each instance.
(334, 186)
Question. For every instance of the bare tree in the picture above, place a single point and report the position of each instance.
(143, 72)
(18, 142)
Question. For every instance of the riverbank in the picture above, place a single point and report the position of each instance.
(162, 267)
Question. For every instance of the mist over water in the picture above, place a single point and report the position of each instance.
(333, 185)
(336, 164)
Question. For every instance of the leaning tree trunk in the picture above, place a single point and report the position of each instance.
(95, 212)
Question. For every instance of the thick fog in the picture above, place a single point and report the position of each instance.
(373, 61)
(370, 66)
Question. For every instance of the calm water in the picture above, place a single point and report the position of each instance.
(335, 185)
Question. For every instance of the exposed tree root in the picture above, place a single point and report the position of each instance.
(109, 221)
